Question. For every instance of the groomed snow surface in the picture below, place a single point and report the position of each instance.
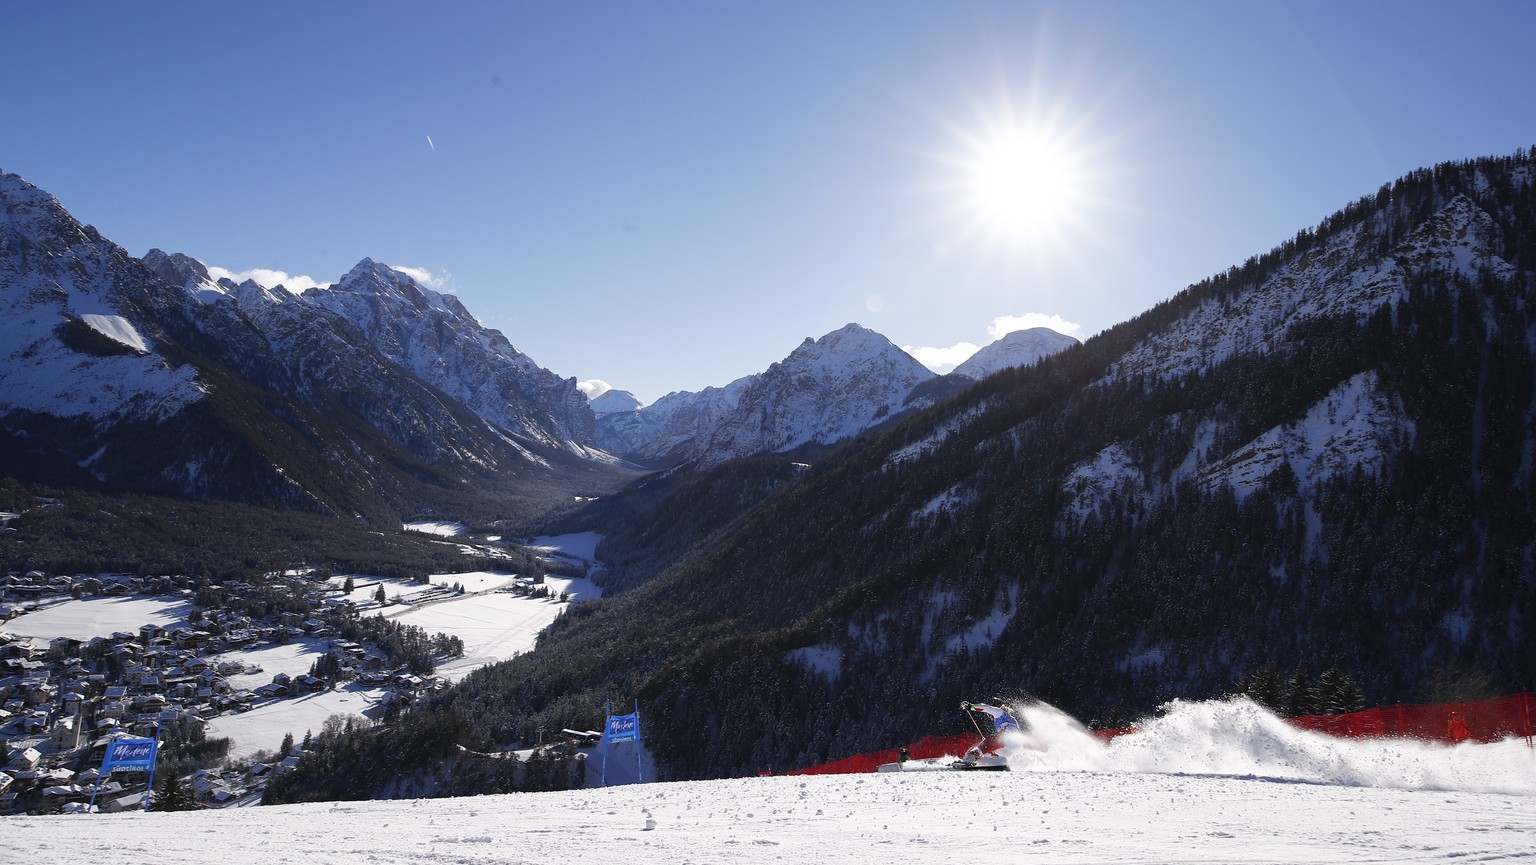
(1207, 782)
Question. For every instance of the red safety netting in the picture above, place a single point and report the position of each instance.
(925, 748)
(1476, 721)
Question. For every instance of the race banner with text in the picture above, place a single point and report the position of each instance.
(130, 754)
(623, 727)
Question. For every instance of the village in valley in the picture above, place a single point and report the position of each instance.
(209, 659)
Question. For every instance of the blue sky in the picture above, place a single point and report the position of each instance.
(667, 196)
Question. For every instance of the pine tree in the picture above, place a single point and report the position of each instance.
(286, 748)
(1267, 688)
(1337, 693)
(1300, 697)
(173, 796)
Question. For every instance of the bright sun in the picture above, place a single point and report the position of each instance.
(1023, 181)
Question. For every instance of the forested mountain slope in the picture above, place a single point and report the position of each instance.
(1320, 458)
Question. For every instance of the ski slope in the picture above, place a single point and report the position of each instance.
(1212, 782)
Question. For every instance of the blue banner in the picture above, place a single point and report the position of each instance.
(130, 754)
(622, 727)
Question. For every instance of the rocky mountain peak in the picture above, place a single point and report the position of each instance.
(615, 400)
(824, 391)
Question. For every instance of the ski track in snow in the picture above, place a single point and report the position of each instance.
(939, 817)
(1214, 782)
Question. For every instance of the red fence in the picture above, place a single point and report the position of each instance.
(1477, 721)
(923, 749)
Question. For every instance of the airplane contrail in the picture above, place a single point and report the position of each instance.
(430, 144)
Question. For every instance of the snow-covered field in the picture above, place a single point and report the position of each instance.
(580, 547)
(85, 618)
(1209, 782)
(294, 658)
(263, 728)
(475, 581)
(494, 626)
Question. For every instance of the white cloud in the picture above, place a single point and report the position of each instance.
(266, 278)
(594, 387)
(1006, 324)
(942, 359)
(425, 277)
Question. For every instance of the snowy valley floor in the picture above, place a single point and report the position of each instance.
(1208, 782)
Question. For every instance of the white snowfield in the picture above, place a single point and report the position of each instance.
(84, 618)
(1209, 782)
(494, 626)
(262, 729)
(579, 547)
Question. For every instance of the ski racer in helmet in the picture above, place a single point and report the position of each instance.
(1002, 719)
(1001, 733)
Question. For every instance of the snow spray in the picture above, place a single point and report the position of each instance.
(1237, 737)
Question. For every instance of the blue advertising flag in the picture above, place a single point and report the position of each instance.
(622, 727)
(130, 754)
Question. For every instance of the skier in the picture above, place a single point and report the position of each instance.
(1003, 722)
(1002, 719)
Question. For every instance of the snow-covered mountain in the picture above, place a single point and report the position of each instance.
(826, 390)
(420, 330)
(152, 376)
(1019, 348)
(611, 401)
(435, 337)
(78, 340)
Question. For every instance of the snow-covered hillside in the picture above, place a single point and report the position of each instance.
(1213, 782)
(1347, 276)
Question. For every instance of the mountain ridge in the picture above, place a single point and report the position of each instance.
(824, 391)
(149, 376)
